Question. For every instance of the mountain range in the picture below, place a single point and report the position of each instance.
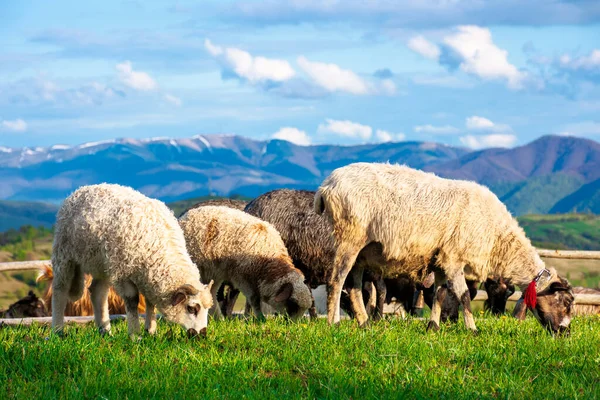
(551, 174)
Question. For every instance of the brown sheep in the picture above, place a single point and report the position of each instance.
(29, 306)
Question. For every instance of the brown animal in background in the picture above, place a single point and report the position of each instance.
(83, 306)
(29, 306)
(498, 290)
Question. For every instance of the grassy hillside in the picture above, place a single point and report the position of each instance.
(536, 195)
(26, 243)
(563, 231)
(584, 200)
(391, 359)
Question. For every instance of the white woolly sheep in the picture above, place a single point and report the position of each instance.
(461, 227)
(230, 245)
(122, 238)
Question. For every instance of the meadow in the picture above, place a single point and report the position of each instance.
(393, 358)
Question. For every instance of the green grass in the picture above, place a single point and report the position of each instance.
(563, 231)
(389, 360)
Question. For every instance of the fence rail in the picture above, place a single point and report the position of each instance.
(569, 254)
(23, 265)
(546, 253)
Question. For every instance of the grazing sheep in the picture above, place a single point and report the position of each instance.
(229, 245)
(83, 306)
(29, 306)
(418, 219)
(585, 309)
(124, 239)
(308, 239)
(227, 295)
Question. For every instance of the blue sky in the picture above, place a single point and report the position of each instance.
(472, 73)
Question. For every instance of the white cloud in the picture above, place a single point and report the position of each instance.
(424, 47)
(346, 128)
(293, 135)
(587, 63)
(481, 57)
(333, 78)
(476, 123)
(135, 79)
(252, 68)
(18, 125)
(385, 136)
(583, 128)
(479, 123)
(173, 100)
(436, 130)
(493, 140)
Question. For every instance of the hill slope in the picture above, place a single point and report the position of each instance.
(15, 214)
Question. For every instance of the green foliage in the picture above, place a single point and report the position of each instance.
(563, 231)
(391, 359)
(24, 243)
(537, 194)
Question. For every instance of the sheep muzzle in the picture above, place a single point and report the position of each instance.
(194, 334)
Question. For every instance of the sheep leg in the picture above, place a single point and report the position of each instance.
(150, 324)
(312, 311)
(59, 303)
(344, 261)
(99, 295)
(439, 294)
(131, 296)
(247, 308)
(356, 297)
(254, 301)
(64, 276)
(215, 311)
(230, 299)
(459, 287)
(381, 290)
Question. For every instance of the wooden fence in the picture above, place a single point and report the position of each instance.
(584, 299)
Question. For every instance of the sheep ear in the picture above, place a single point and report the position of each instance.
(284, 293)
(520, 311)
(209, 286)
(183, 293)
(559, 286)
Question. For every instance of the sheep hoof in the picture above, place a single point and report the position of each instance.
(475, 332)
(364, 325)
(135, 337)
(105, 331)
(433, 326)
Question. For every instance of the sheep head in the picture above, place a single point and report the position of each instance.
(189, 307)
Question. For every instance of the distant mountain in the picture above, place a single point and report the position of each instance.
(545, 156)
(14, 214)
(530, 178)
(173, 169)
(552, 173)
